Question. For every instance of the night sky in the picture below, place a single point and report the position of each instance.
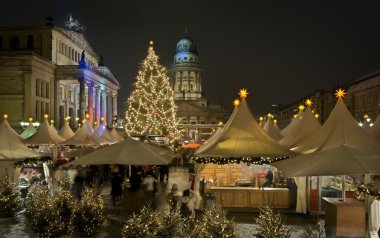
(278, 50)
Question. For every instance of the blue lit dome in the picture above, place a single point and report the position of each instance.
(186, 45)
(186, 51)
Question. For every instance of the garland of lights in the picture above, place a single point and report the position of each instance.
(234, 160)
(150, 108)
(366, 190)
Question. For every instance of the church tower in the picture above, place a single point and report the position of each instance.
(187, 73)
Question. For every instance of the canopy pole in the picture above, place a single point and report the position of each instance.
(343, 188)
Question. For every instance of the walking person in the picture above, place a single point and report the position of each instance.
(149, 182)
(173, 198)
(116, 190)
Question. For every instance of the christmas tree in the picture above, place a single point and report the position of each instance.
(88, 213)
(41, 211)
(150, 107)
(10, 201)
(270, 224)
(65, 203)
(216, 223)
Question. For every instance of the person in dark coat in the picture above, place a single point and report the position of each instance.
(117, 189)
(135, 181)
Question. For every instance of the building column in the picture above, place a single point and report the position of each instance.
(97, 105)
(82, 100)
(104, 105)
(90, 102)
(55, 113)
(114, 104)
(109, 108)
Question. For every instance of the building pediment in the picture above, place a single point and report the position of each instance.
(79, 39)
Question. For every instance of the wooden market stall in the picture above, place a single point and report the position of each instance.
(228, 162)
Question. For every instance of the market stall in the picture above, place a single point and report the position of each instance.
(228, 161)
(341, 147)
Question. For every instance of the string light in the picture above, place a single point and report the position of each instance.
(236, 102)
(301, 107)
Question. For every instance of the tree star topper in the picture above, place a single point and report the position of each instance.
(309, 102)
(236, 102)
(339, 93)
(243, 93)
(301, 107)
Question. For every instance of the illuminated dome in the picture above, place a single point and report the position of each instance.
(186, 51)
(186, 45)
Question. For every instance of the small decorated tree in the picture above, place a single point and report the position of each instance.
(170, 223)
(10, 201)
(42, 213)
(65, 202)
(270, 224)
(150, 107)
(143, 224)
(216, 223)
(88, 213)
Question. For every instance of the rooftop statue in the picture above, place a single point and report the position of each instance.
(74, 25)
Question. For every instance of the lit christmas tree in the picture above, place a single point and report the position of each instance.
(150, 108)
(10, 201)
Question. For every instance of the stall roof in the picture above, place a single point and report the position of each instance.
(85, 136)
(272, 130)
(6, 125)
(11, 148)
(374, 131)
(307, 126)
(44, 135)
(242, 137)
(292, 126)
(66, 132)
(340, 147)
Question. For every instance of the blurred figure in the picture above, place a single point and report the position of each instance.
(116, 190)
(148, 182)
(268, 179)
(174, 197)
(135, 181)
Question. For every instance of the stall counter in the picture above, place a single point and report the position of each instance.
(250, 196)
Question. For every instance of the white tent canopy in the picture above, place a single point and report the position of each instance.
(374, 131)
(28, 132)
(272, 130)
(116, 134)
(11, 151)
(6, 125)
(66, 132)
(292, 126)
(128, 152)
(85, 136)
(11, 148)
(307, 126)
(108, 137)
(44, 135)
(242, 137)
(340, 147)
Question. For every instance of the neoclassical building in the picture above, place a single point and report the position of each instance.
(363, 97)
(53, 70)
(198, 117)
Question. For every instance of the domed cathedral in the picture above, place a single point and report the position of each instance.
(199, 119)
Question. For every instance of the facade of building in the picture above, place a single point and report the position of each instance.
(323, 103)
(53, 70)
(363, 97)
(198, 119)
